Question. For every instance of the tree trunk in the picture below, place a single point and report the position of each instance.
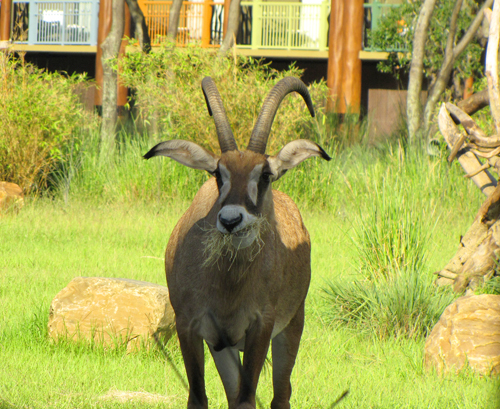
(173, 21)
(110, 49)
(141, 29)
(232, 27)
(414, 107)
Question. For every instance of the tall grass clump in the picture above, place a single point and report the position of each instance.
(392, 293)
(392, 231)
(406, 304)
(40, 112)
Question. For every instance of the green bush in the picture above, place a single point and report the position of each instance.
(39, 114)
(168, 95)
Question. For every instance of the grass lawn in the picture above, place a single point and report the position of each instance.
(50, 242)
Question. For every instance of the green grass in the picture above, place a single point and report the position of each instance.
(113, 218)
(116, 234)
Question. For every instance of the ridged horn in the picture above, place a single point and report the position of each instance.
(216, 109)
(262, 128)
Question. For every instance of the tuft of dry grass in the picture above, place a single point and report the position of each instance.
(218, 245)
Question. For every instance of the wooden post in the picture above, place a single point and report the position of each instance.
(351, 86)
(105, 20)
(5, 12)
(206, 24)
(344, 65)
(334, 77)
(227, 3)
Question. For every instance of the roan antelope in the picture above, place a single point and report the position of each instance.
(238, 261)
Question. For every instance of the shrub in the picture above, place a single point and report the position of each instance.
(167, 87)
(39, 114)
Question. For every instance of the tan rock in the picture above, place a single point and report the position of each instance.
(468, 333)
(11, 197)
(112, 311)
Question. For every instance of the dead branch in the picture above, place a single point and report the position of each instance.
(484, 167)
(456, 148)
(475, 102)
(467, 159)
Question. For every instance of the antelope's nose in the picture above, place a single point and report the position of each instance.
(230, 223)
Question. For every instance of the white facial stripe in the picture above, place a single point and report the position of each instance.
(226, 182)
(253, 181)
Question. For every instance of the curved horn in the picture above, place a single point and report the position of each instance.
(262, 128)
(216, 109)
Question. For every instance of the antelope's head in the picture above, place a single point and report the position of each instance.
(244, 178)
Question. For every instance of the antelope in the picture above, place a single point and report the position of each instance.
(238, 261)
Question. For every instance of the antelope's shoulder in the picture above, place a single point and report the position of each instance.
(289, 222)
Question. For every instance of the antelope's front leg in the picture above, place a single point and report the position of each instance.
(285, 348)
(257, 340)
(194, 362)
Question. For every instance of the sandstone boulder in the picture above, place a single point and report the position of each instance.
(11, 197)
(468, 333)
(112, 311)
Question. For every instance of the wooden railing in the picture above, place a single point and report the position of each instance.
(264, 24)
(198, 22)
(63, 22)
(270, 25)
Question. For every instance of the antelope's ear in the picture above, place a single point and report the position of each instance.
(293, 154)
(187, 153)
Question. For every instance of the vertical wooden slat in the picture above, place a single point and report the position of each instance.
(227, 3)
(5, 13)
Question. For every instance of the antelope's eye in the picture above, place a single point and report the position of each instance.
(266, 176)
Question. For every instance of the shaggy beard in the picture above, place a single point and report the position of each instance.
(218, 246)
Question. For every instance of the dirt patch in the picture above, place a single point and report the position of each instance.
(128, 396)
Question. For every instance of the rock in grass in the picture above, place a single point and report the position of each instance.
(11, 197)
(467, 334)
(111, 311)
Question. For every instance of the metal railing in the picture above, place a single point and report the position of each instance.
(60, 22)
